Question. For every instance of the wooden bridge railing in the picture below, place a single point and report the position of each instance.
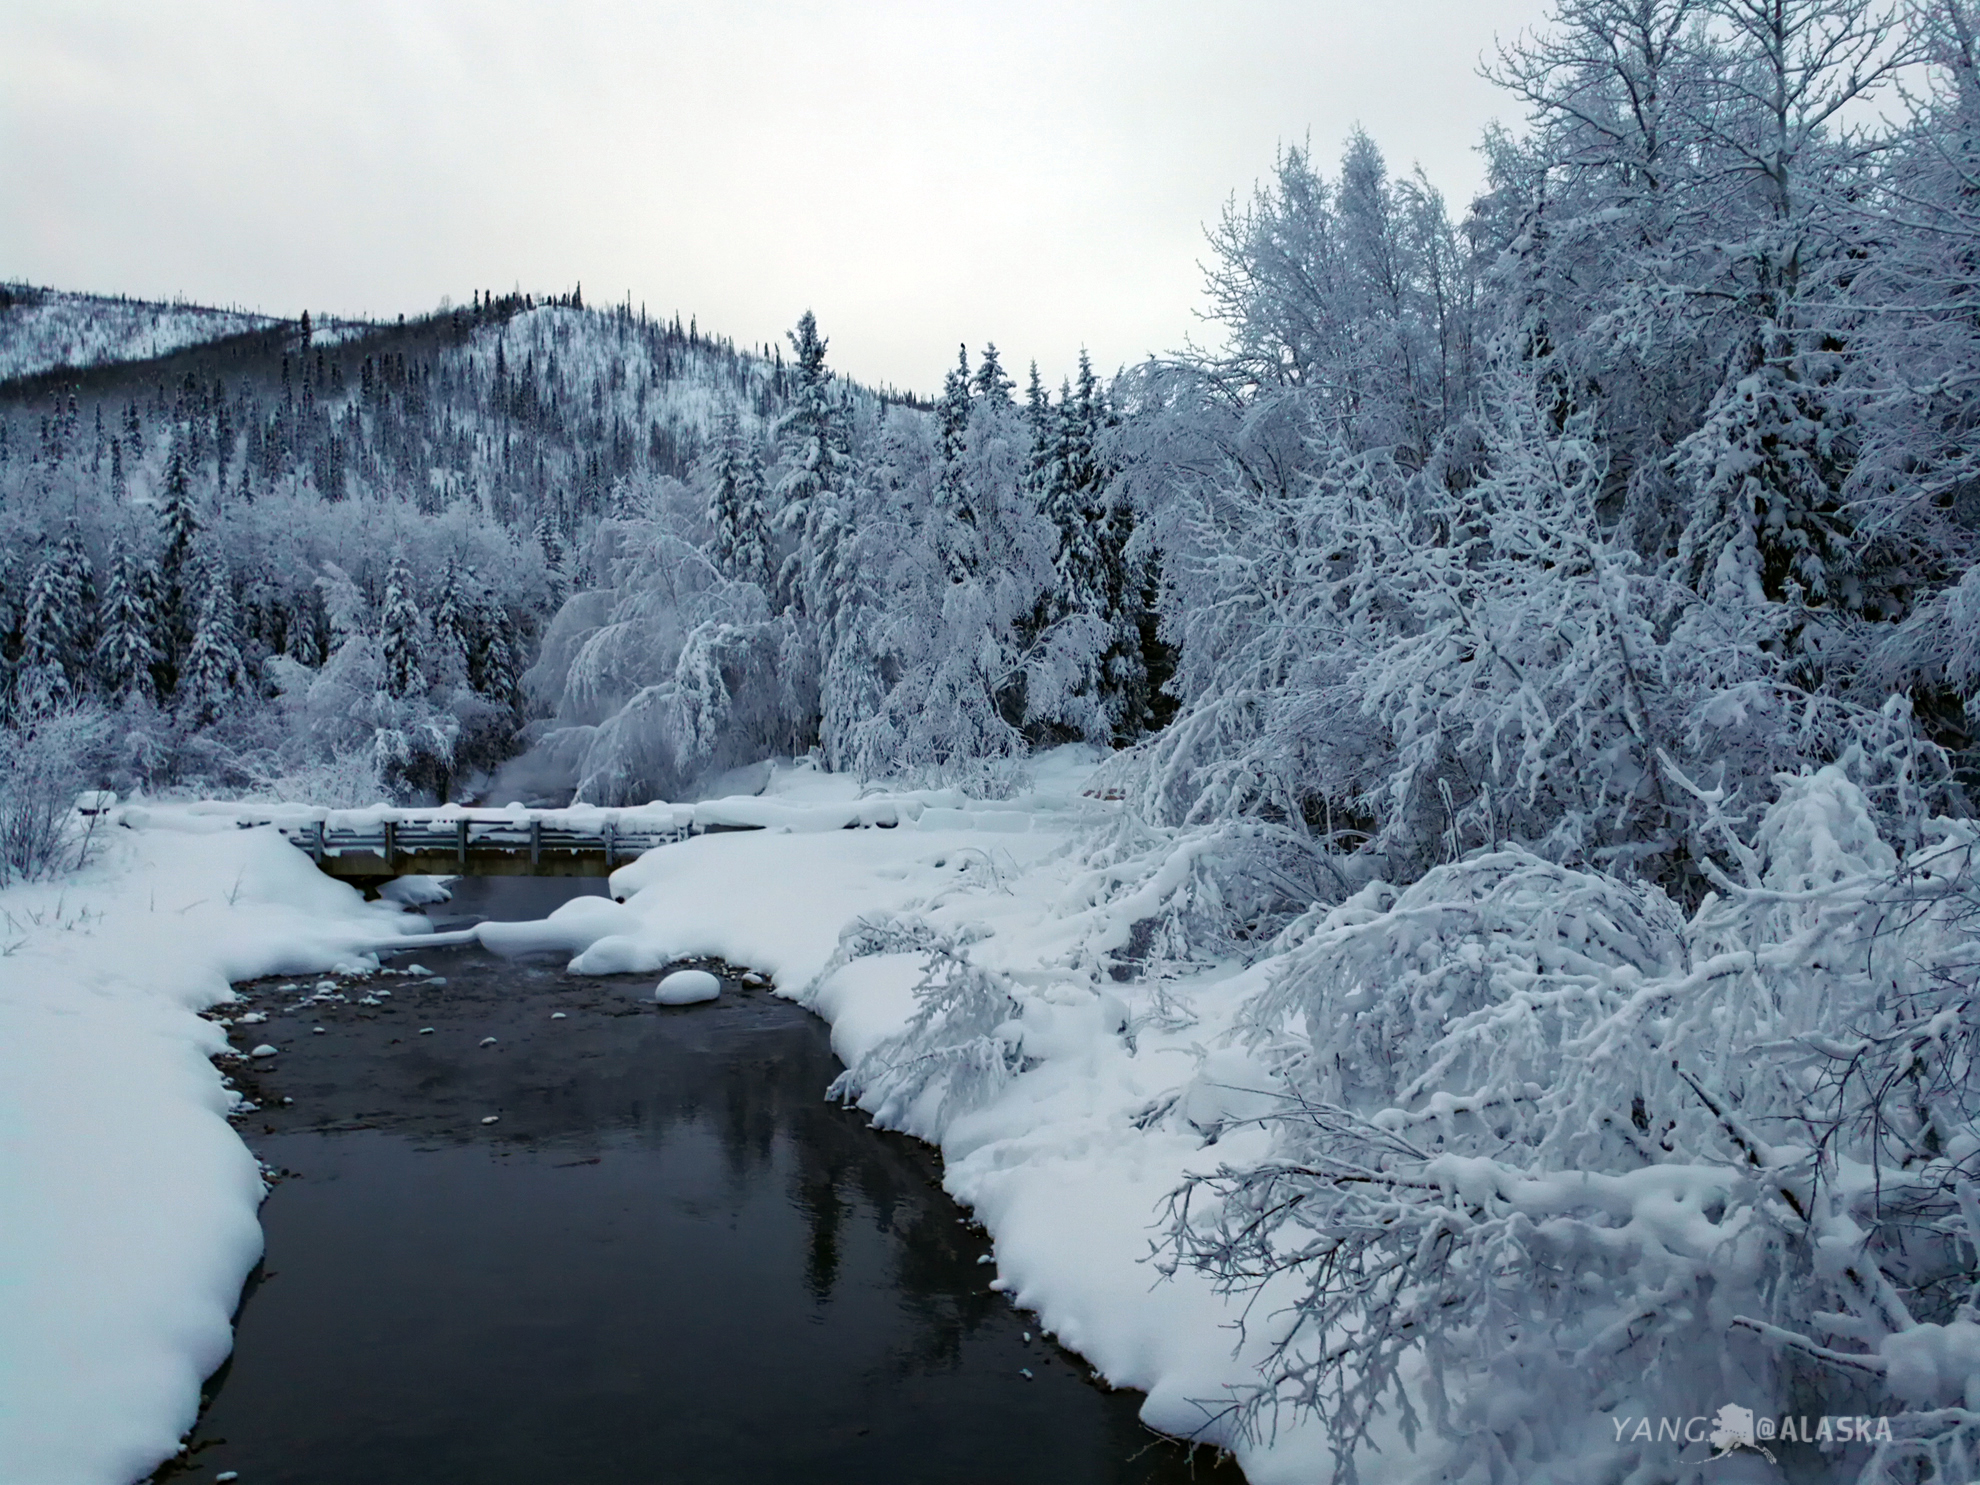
(465, 847)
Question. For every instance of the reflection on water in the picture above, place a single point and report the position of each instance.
(668, 1261)
(510, 899)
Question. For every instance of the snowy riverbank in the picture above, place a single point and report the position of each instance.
(1026, 984)
(127, 1203)
(132, 1203)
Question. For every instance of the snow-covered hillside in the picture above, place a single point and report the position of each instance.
(44, 329)
(456, 468)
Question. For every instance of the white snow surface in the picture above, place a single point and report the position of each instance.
(127, 1203)
(131, 1203)
(687, 987)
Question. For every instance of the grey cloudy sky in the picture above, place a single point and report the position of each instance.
(918, 173)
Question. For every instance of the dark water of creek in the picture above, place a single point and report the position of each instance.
(667, 1261)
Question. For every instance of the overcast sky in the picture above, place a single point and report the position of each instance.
(918, 173)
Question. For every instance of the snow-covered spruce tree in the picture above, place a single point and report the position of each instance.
(399, 626)
(127, 647)
(554, 556)
(991, 383)
(823, 581)
(737, 504)
(462, 654)
(818, 472)
(1090, 620)
(492, 668)
(953, 516)
(962, 571)
(41, 682)
(178, 550)
(453, 624)
(347, 715)
(327, 703)
(57, 630)
(212, 677)
(79, 583)
(1041, 428)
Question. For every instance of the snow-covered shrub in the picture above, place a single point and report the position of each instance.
(49, 760)
(1155, 901)
(1556, 1152)
(961, 1047)
(341, 781)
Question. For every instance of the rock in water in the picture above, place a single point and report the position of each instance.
(687, 987)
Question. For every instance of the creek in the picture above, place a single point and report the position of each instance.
(666, 1258)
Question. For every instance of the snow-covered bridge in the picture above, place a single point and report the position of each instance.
(371, 846)
(548, 844)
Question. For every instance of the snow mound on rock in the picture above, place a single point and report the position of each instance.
(687, 987)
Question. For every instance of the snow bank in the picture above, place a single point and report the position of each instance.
(989, 989)
(129, 1203)
(1062, 1163)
